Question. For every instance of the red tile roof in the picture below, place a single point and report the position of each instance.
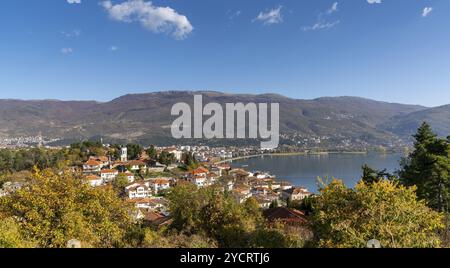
(92, 162)
(285, 215)
(199, 170)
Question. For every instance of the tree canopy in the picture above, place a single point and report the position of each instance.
(428, 168)
(371, 175)
(210, 212)
(55, 208)
(382, 210)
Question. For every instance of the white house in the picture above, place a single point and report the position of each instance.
(144, 203)
(94, 180)
(177, 154)
(296, 193)
(263, 202)
(138, 190)
(199, 181)
(275, 185)
(130, 176)
(199, 177)
(241, 194)
(92, 166)
(286, 185)
(260, 191)
(108, 175)
(159, 184)
(211, 178)
(137, 165)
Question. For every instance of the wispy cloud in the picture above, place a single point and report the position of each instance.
(270, 17)
(113, 48)
(333, 8)
(66, 50)
(426, 11)
(322, 20)
(374, 1)
(74, 1)
(153, 18)
(73, 33)
(233, 14)
(321, 26)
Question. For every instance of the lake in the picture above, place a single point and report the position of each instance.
(303, 170)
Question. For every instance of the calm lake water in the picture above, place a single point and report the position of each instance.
(303, 170)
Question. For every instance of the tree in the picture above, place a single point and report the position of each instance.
(184, 204)
(120, 183)
(54, 208)
(166, 158)
(10, 236)
(151, 152)
(134, 151)
(371, 175)
(428, 167)
(190, 161)
(213, 213)
(382, 210)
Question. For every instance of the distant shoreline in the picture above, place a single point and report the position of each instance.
(284, 154)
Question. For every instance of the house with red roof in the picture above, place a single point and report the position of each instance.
(109, 175)
(92, 166)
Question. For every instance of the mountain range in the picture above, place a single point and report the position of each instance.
(146, 118)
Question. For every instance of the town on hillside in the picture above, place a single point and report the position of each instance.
(147, 181)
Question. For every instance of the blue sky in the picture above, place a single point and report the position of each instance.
(396, 50)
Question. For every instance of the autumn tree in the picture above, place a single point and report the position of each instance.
(211, 212)
(11, 237)
(119, 183)
(382, 210)
(54, 208)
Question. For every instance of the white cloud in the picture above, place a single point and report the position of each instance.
(321, 26)
(232, 15)
(270, 17)
(66, 50)
(153, 18)
(374, 1)
(333, 8)
(113, 48)
(74, 1)
(73, 33)
(426, 11)
(322, 20)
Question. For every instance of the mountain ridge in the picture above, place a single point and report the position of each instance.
(145, 117)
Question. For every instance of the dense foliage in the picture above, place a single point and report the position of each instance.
(213, 213)
(428, 168)
(55, 208)
(382, 210)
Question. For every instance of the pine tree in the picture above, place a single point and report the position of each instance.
(428, 167)
(371, 175)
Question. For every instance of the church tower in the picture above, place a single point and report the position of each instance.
(124, 154)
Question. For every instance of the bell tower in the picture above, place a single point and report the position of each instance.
(124, 154)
